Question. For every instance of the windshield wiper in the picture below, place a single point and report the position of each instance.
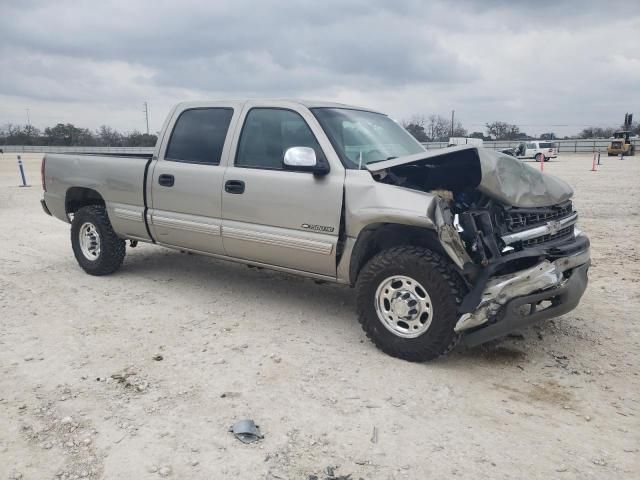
(381, 160)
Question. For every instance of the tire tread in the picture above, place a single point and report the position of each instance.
(442, 337)
(112, 247)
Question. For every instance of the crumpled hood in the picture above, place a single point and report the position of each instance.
(501, 177)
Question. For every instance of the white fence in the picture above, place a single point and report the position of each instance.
(564, 146)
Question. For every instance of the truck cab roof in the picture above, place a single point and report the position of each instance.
(284, 101)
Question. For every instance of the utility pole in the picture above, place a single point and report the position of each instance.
(28, 125)
(146, 114)
(452, 114)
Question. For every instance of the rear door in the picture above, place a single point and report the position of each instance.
(531, 150)
(186, 182)
(275, 216)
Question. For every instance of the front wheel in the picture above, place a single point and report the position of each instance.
(407, 299)
(97, 248)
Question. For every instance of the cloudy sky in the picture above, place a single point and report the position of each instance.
(544, 65)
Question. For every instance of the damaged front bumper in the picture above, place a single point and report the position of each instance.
(510, 302)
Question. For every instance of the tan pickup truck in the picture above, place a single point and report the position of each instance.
(455, 244)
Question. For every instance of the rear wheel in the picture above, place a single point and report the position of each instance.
(97, 248)
(540, 157)
(407, 300)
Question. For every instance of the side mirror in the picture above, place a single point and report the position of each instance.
(304, 159)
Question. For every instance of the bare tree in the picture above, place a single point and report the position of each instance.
(503, 131)
(415, 126)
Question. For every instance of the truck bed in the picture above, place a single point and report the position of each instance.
(72, 177)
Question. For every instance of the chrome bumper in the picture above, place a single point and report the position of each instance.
(543, 278)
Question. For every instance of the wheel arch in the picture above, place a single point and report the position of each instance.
(78, 197)
(377, 237)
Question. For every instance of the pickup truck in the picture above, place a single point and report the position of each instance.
(445, 245)
(540, 151)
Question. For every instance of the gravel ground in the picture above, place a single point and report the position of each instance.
(81, 394)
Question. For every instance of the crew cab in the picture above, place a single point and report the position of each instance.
(541, 151)
(456, 244)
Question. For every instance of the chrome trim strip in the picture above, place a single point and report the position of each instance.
(278, 240)
(188, 225)
(548, 228)
(243, 261)
(127, 214)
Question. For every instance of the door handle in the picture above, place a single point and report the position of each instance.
(234, 186)
(166, 180)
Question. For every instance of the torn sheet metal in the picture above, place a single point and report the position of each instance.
(448, 233)
(503, 178)
(505, 288)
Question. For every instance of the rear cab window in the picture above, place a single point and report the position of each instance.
(199, 135)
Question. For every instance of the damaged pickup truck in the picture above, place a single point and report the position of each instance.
(455, 244)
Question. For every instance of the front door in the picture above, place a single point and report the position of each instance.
(274, 216)
(186, 188)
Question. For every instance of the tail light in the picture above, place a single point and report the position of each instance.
(42, 165)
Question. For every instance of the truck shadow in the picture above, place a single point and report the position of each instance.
(291, 294)
(251, 284)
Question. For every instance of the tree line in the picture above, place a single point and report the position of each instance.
(67, 135)
(436, 128)
(432, 128)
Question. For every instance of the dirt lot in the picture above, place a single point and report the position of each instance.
(561, 401)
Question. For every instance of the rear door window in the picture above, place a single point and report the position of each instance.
(199, 135)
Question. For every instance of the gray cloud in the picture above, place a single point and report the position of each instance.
(520, 61)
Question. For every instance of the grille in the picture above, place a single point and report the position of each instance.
(616, 144)
(522, 219)
(547, 238)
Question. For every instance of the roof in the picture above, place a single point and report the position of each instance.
(303, 102)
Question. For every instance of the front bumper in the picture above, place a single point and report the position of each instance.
(550, 288)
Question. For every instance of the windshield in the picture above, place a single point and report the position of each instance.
(361, 137)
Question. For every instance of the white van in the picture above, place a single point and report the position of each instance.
(538, 149)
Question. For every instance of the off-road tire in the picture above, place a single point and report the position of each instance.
(112, 248)
(444, 287)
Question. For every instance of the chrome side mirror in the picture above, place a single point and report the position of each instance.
(303, 159)
(297, 157)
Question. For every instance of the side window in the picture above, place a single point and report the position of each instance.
(531, 145)
(198, 135)
(268, 133)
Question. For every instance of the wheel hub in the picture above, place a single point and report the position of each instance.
(89, 241)
(403, 306)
